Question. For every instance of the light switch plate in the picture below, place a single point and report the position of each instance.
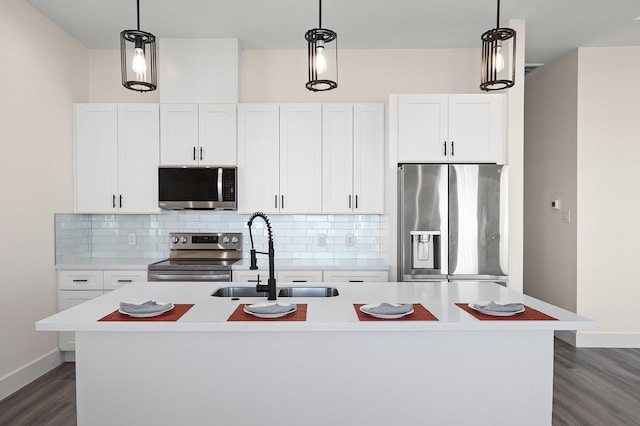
(555, 204)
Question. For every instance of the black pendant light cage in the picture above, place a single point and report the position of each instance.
(496, 44)
(322, 57)
(138, 59)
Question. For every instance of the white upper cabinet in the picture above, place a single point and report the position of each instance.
(353, 158)
(451, 128)
(193, 135)
(300, 158)
(258, 158)
(279, 158)
(116, 158)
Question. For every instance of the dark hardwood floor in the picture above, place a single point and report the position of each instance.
(591, 387)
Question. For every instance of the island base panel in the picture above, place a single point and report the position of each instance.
(315, 378)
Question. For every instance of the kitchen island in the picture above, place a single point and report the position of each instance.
(331, 368)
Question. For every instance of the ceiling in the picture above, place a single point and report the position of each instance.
(553, 27)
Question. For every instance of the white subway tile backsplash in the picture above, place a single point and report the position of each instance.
(295, 236)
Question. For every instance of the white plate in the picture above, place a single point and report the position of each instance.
(263, 305)
(492, 313)
(365, 308)
(149, 314)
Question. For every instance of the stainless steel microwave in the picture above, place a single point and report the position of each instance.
(198, 188)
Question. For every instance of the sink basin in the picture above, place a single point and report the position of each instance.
(308, 292)
(282, 292)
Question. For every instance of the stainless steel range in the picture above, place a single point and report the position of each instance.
(198, 257)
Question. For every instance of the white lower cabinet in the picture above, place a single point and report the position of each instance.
(76, 287)
(356, 276)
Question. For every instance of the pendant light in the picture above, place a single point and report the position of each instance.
(322, 57)
(138, 59)
(495, 44)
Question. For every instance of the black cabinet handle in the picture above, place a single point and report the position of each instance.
(194, 153)
(445, 147)
(125, 281)
(120, 201)
(201, 153)
(80, 281)
(349, 200)
(452, 153)
(356, 201)
(275, 201)
(282, 204)
(114, 201)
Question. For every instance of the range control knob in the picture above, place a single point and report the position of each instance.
(174, 239)
(225, 240)
(234, 240)
(183, 240)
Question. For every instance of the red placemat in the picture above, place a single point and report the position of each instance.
(529, 314)
(420, 313)
(178, 310)
(240, 315)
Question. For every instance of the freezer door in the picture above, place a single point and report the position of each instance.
(422, 221)
(478, 243)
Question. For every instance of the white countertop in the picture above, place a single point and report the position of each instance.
(323, 314)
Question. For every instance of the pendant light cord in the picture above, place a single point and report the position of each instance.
(138, 2)
(320, 14)
(497, 19)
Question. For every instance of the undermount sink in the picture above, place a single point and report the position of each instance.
(282, 292)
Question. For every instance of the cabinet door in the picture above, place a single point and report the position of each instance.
(258, 158)
(300, 158)
(96, 158)
(179, 134)
(299, 276)
(69, 299)
(337, 158)
(476, 128)
(368, 158)
(116, 279)
(356, 276)
(422, 128)
(217, 134)
(138, 157)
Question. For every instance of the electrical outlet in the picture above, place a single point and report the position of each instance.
(555, 204)
(132, 238)
(350, 242)
(322, 240)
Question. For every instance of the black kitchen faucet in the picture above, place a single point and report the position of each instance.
(270, 288)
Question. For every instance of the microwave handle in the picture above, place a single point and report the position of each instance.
(219, 183)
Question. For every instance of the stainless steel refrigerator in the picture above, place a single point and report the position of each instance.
(452, 222)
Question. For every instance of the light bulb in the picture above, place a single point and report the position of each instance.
(499, 58)
(139, 63)
(321, 60)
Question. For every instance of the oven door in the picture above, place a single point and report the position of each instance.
(174, 275)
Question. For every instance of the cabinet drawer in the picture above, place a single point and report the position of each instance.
(116, 279)
(68, 299)
(299, 276)
(80, 280)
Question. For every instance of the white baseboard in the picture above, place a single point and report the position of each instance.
(596, 339)
(25, 375)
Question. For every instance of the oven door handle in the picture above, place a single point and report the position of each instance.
(188, 277)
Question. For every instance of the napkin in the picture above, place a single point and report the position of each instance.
(497, 307)
(148, 307)
(275, 308)
(390, 309)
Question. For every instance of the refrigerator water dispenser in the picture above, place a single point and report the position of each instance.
(425, 247)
